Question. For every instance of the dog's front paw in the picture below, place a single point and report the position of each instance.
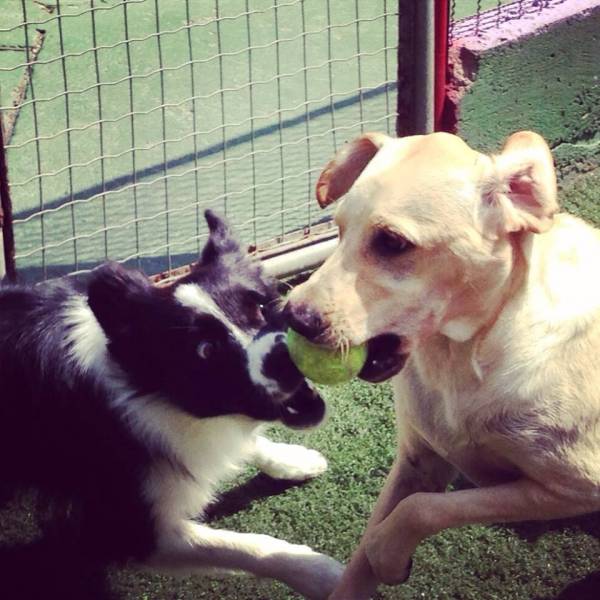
(294, 462)
(389, 563)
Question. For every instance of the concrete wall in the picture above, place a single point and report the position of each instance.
(540, 72)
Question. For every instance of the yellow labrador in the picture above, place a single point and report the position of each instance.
(456, 266)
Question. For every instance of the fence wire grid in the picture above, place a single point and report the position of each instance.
(124, 120)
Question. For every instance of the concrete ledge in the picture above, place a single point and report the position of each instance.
(539, 70)
(511, 22)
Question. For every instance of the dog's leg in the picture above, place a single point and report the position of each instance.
(391, 543)
(195, 548)
(415, 469)
(287, 461)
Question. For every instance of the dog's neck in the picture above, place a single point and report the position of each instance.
(478, 310)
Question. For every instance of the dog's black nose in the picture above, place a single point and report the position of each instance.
(304, 319)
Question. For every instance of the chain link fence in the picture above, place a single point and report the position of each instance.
(124, 120)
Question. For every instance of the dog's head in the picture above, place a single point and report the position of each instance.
(212, 342)
(429, 230)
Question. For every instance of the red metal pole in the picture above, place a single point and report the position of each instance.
(441, 60)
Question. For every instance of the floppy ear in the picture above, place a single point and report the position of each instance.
(220, 239)
(522, 190)
(115, 295)
(343, 170)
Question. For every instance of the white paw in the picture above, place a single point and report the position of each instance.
(311, 574)
(291, 461)
(324, 578)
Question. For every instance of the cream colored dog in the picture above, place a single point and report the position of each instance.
(460, 262)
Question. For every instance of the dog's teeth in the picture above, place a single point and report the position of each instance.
(292, 410)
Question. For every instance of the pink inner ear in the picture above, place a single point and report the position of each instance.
(341, 173)
(522, 191)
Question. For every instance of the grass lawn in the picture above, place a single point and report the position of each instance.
(531, 561)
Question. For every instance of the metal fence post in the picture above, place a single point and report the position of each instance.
(416, 67)
(7, 246)
(405, 85)
(424, 66)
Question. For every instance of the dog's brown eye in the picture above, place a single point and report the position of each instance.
(389, 243)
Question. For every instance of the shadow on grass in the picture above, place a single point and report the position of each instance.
(531, 531)
(585, 589)
(45, 569)
(242, 496)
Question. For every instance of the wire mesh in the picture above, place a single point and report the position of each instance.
(125, 119)
(479, 17)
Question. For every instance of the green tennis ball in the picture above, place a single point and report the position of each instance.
(322, 364)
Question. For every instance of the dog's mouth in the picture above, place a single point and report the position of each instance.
(305, 408)
(385, 358)
(295, 402)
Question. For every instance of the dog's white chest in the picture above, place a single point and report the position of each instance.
(442, 423)
(206, 451)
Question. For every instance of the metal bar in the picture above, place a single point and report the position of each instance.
(424, 73)
(188, 19)
(100, 130)
(305, 258)
(164, 132)
(222, 99)
(441, 61)
(36, 131)
(279, 120)
(68, 125)
(424, 99)
(301, 257)
(7, 242)
(405, 81)
(330, 73)
(385, 55)
(358, 66)
(306, 118)
(2, 250)
(132, 134)
(251, 110)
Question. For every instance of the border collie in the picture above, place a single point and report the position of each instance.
(128, 403)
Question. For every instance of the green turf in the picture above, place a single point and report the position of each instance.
(467, 8)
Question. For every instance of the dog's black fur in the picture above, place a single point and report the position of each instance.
(67, 418)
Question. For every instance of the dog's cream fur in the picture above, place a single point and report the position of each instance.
(498, 304)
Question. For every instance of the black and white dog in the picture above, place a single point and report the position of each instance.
(129, 403)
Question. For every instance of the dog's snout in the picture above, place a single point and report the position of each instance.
(304, 319)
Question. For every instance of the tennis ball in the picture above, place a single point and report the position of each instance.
(322, 364)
